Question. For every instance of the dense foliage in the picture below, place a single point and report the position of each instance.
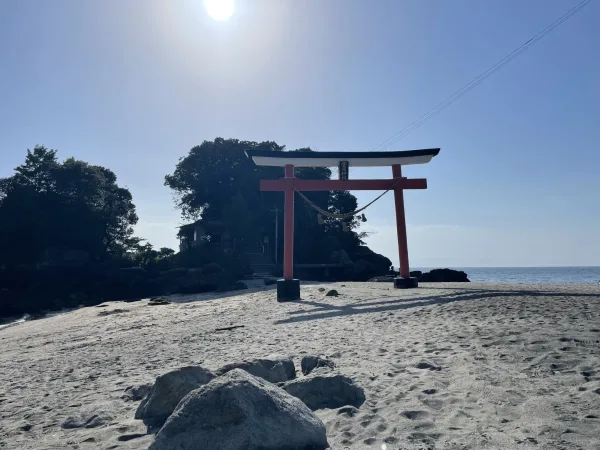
(216, 180)
(49, 206)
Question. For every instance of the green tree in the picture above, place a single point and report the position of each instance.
(216, 171)
(216, 180)
(72, 205)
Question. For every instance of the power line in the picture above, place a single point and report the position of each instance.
(479, 79)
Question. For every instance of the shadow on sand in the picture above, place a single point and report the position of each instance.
(326, 310)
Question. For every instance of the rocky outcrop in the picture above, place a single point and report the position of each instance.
(167, 392)
(368, 264)
(238, 411)
(436, 275)
(444, 276)
(340, 257)
(326, 389)
(274, 370)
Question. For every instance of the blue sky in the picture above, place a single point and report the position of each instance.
(133, 85)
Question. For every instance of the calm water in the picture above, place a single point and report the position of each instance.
(536, 275)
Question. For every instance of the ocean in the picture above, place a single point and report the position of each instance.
(531, 275)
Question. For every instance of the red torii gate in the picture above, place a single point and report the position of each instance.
(289, 288)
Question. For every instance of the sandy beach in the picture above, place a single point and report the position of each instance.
(452, 366)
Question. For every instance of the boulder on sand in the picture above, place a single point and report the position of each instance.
(274, 370)
(444, 276)
(324, 389)
(167, 392)
(309, 363)
(238, 411)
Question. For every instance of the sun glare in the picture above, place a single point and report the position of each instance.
(219, 9)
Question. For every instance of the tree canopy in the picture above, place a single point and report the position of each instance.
(216, 180)
(71, 205)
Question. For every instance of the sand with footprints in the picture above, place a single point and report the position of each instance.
(446, 366)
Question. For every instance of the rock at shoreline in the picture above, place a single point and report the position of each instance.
(444, 276)
(275, 370)
(309, 363)
(324, 389)
(238, 411)
(167, 392)
(436, 275)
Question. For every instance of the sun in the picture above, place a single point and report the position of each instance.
(219, 9)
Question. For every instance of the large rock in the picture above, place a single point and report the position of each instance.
(274, 370)
(167, 392)
(340, 257)
(238, 411)
(444, 276)
(368, 264)
(309, 363)
(324, 389)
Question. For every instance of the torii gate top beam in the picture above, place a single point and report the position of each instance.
(332, 159)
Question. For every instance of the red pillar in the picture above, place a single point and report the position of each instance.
(288, 227)
(401, 224)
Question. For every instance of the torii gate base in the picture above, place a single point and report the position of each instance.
(288, 289)
(406, 283)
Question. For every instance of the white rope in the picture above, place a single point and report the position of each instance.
(335, 215)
